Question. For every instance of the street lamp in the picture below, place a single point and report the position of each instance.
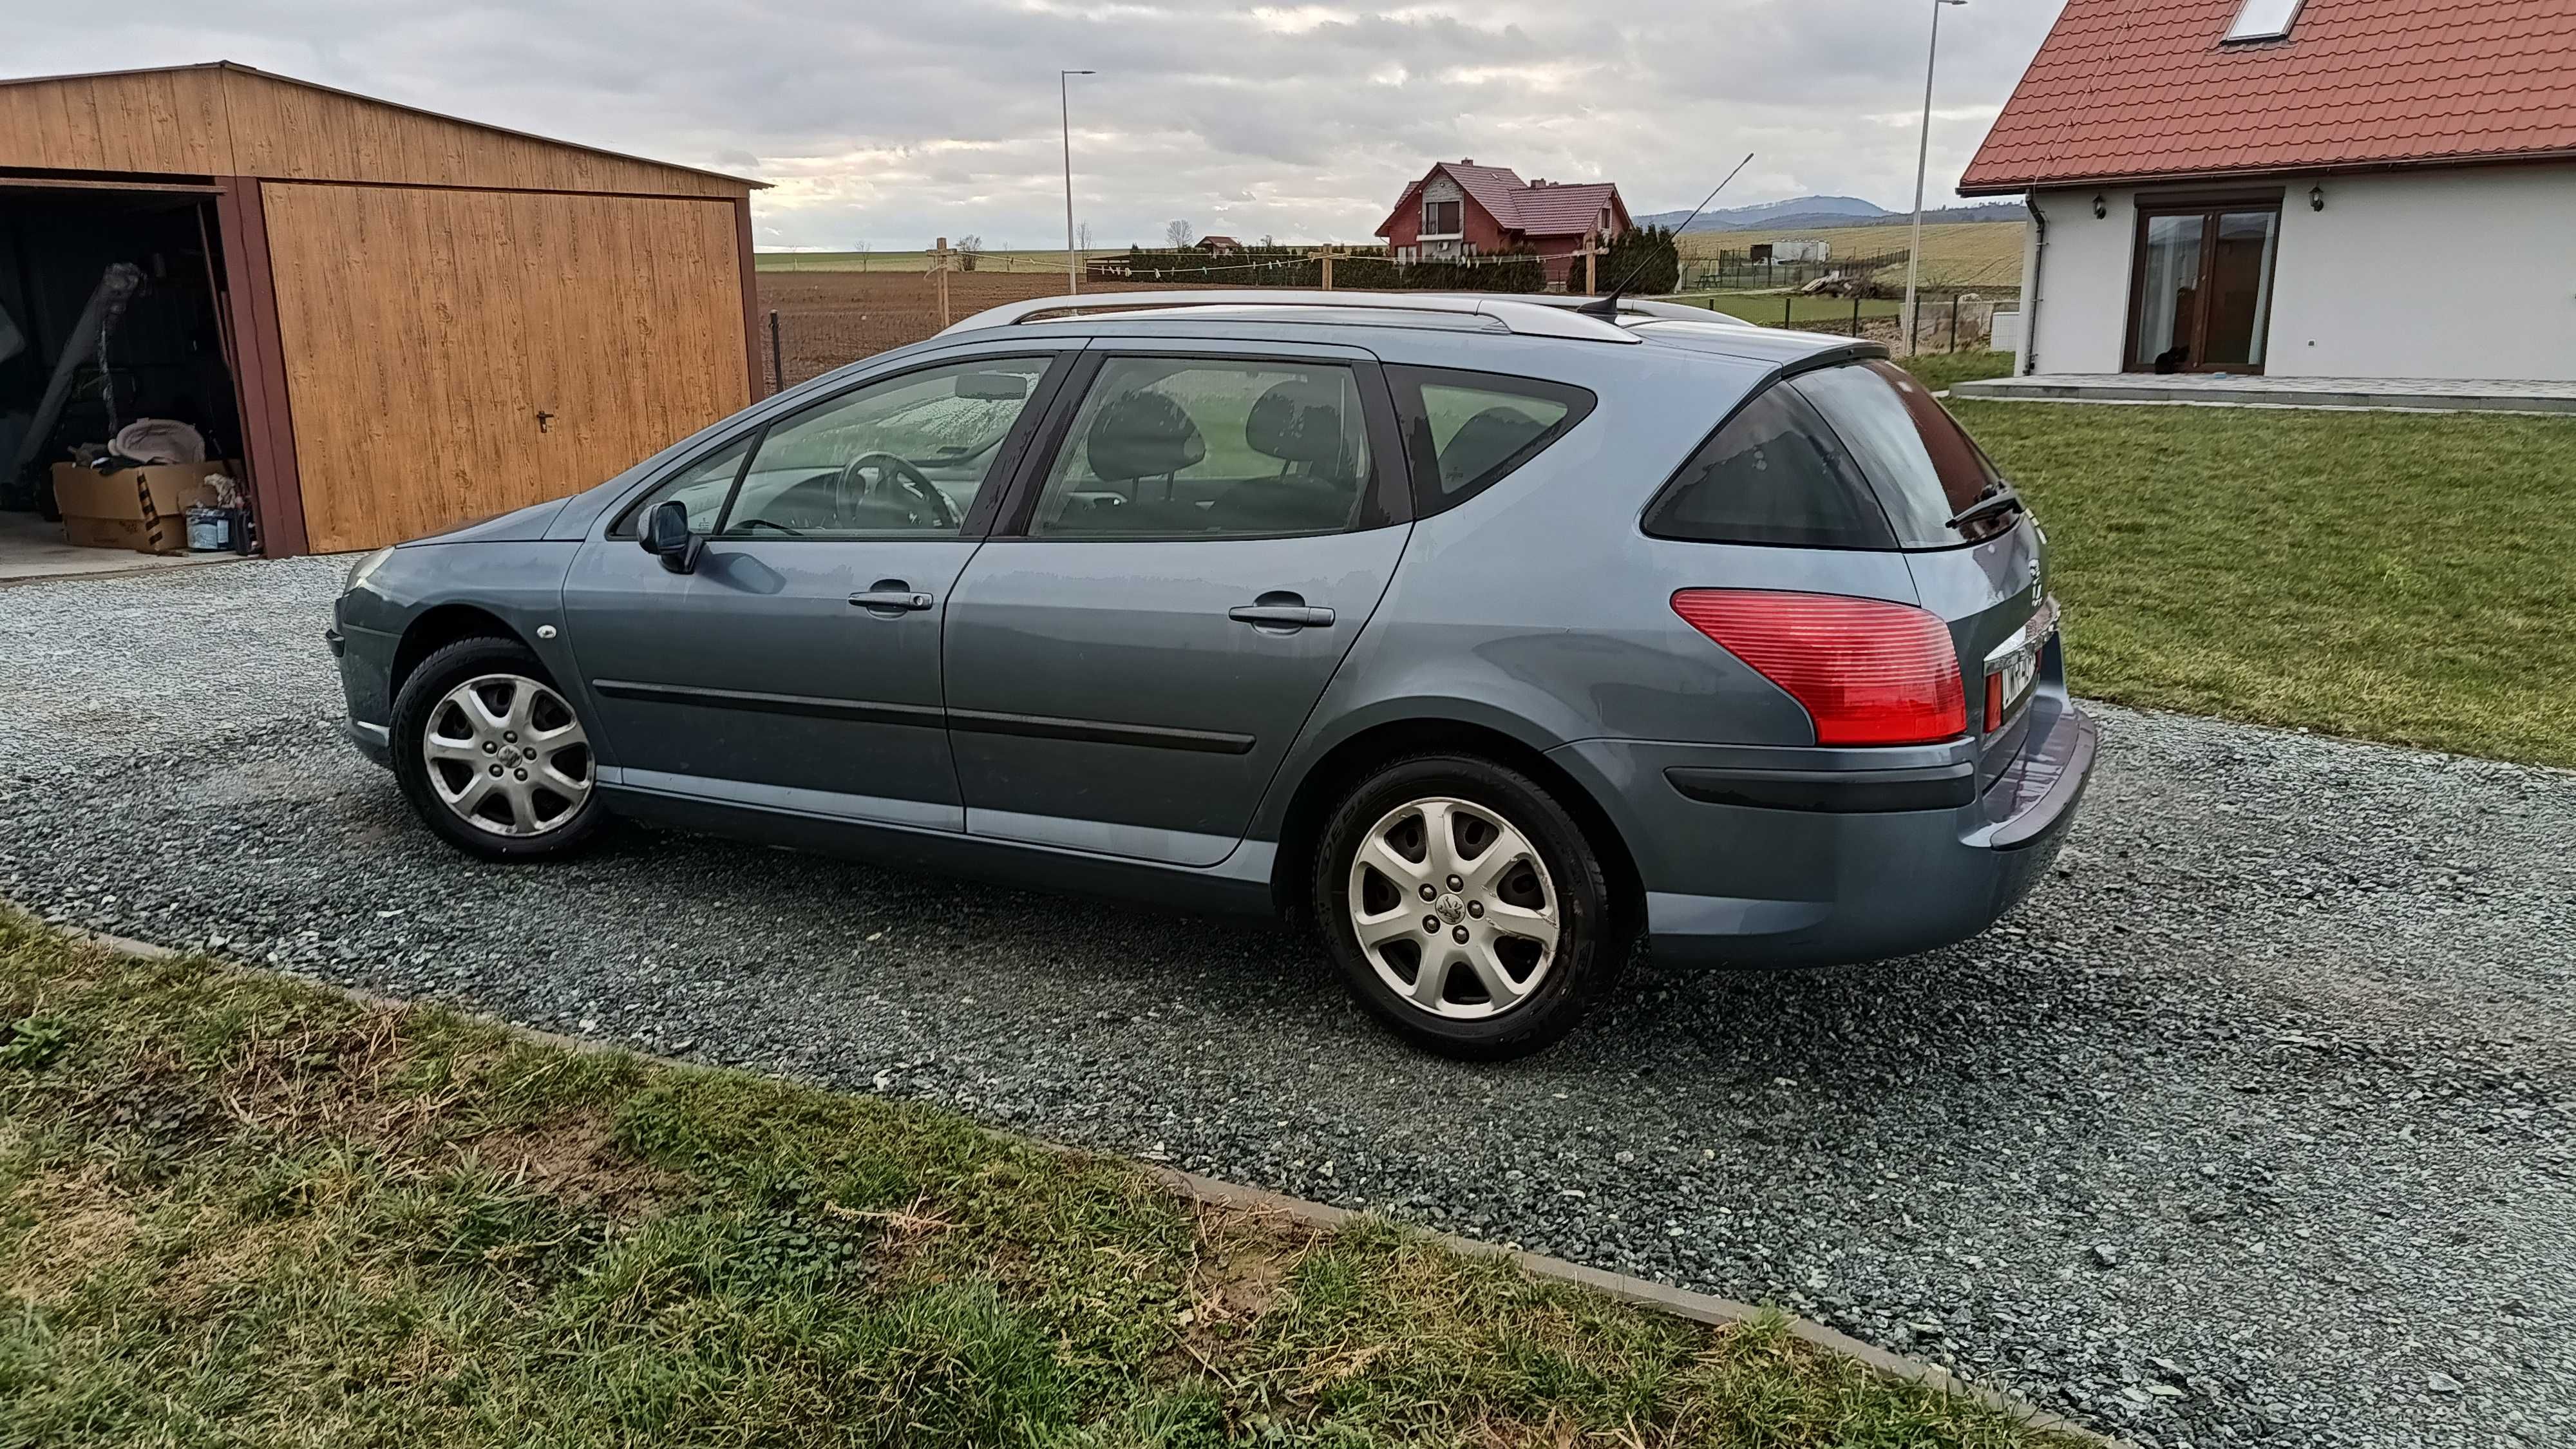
(1064, 113)
(1922, 159)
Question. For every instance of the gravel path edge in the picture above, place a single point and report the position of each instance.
(1646, 1293)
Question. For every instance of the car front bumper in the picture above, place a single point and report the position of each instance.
(366, 661)
(1769, 858)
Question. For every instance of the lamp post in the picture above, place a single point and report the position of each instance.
(1922, 159)
(1064, 113)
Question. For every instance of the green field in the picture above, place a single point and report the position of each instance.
(2391, 576)
(236, 1209)
(1955, 254)
(1014, 261)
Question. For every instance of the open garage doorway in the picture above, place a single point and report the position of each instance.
(120, 409)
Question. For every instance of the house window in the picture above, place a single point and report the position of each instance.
(1440, 218)
(2264, 20)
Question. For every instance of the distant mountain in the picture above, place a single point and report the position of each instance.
(1822, 213)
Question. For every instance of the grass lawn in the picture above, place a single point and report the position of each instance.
(1940, 369)
(2391, 576)
(239, 1210)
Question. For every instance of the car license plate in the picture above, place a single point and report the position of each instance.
(2019, 673)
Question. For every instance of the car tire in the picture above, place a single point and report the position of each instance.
(1495, 990)
(493, 756)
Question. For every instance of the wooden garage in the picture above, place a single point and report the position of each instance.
(422, 320)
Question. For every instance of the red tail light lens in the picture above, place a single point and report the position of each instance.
(1868, 671)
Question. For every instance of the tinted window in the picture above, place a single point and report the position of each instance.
(908, 454)
(1774, 474)
(1468, 430)
(1923, 464)
(1167, 447)
(701, 486)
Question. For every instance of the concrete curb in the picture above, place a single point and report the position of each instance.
(1212, 1192)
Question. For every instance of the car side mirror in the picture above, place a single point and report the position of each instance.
(667, 534)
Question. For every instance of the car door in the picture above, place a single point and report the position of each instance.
(797, 666)
(1173, 584)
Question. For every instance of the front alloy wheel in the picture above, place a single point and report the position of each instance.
(506, 755)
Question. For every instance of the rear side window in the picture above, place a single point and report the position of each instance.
(1467, 431)
(1774, 474)
(1924, 465)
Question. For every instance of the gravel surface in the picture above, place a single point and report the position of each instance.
(2254, 1124)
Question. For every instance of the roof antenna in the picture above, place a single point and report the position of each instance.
(1607, 305)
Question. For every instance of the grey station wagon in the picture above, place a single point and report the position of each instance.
(1489, 634)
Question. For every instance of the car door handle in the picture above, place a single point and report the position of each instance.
(904, 600)
(1281, 616)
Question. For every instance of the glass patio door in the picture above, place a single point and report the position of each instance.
(2203, 288)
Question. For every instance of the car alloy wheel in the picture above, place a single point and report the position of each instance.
(507, 756)
(1453, 908)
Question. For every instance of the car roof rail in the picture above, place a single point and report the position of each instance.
(1524, 316)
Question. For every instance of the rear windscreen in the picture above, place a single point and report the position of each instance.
(1924, 465)
(1853, 456)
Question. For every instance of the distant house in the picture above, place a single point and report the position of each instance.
(1460, 209)
(2335, 188)
(1218, 246)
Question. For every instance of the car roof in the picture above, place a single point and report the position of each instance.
(1581, 321)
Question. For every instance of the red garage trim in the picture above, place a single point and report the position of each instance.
(268, 425)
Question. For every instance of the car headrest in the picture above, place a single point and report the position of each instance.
(1483, 442)
(1142, 435)
(1300, 421)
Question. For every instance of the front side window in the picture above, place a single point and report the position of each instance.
(905, 455)
(1440, 218)
(701, 487)
(1467, 430)
(1169, 447)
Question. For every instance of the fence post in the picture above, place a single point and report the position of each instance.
(777, 358)
(1323, 257)
(939, 276)
(1954, 321)
(1788, 306)
(1855, 314)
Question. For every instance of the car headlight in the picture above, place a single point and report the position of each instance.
(358, 571)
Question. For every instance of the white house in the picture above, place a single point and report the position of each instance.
(2334, 188)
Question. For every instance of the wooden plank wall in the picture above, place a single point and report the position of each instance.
(426, 331)
(226, 121)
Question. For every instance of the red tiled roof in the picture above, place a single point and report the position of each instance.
(1515, 205)
(2130, 89)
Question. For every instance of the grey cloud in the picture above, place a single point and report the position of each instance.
(1201, 110)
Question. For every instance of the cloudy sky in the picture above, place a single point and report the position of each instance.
(888, 121)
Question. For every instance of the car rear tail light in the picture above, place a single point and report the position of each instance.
(1868, 671)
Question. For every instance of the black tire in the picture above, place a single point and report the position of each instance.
(1591, 945)
(414, 708)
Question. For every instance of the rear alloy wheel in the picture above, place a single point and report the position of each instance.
(492, 755)
(1465, 907)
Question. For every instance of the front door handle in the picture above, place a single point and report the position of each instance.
(1280, 616)
(891, 597)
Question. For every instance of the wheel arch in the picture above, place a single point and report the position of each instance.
(1344, 763)
(435, 629)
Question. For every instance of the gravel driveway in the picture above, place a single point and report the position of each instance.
(2254, 1124)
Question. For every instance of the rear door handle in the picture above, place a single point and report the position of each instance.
(1281, 616)
(901, 600)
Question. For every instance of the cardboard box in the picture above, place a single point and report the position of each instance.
(144, 509)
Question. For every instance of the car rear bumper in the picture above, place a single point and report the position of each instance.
(1836, 856)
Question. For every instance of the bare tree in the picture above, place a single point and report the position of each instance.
(1178, 234)
(1082, 237)
(1266, 241)
(862, 248)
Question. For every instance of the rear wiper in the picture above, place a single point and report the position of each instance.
(1994, 500)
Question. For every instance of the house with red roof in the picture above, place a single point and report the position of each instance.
(2320, 188)
(1459, 209)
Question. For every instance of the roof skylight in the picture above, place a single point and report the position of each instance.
(2264, 20)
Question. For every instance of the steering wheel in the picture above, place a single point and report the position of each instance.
(891, 470)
